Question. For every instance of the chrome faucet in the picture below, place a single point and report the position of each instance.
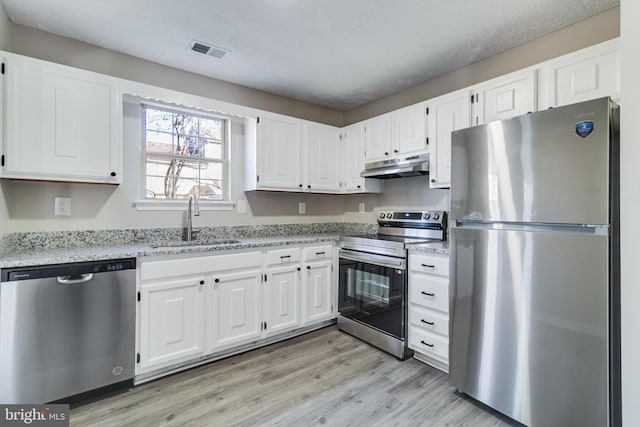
(192, 210)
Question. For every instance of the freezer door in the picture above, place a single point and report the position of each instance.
(529, 324)
(535, 168)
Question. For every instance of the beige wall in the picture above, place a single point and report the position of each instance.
(599, 28)
(630, 206)
(103, 207)
(38, 44)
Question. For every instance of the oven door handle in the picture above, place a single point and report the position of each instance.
(382, 260)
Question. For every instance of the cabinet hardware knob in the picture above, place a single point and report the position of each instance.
(386, 153)
(202, 282)
(299, 268)
(433, 180)
(113, 174)
(358, 186)
(308, 267)
(428, 294)
(217, 280)
(427, 344)
(395, 151)
(300, 185)
(308, 186)
(428, 323)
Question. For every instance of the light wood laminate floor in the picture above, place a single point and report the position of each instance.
(325, 378)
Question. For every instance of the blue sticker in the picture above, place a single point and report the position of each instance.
(584, 129)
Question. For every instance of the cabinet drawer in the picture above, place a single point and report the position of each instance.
(428, 320)
(317, 253)
(428, 343)
(283, 256)
(430, 264)
(198, 265)
(429, 291)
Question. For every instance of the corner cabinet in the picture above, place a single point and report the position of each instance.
(62, 123)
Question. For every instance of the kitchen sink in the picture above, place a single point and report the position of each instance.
(184, 243)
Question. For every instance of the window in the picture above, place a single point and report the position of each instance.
(185, 153)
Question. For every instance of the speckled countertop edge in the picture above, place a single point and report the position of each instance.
(431, 247)
(46, 248)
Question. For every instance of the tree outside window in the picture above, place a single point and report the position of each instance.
(185, 154)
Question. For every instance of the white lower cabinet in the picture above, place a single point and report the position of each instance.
(429, 308)
(282, 295)
(235, 315)
(193, 308)
(171, 322)
(317, 284)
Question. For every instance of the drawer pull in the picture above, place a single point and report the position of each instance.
(320, 253)
(428, 294)
(427, 344)
(283, 257)
(428, 323)
(428, 266)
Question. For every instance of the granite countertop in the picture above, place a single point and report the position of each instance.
(431, 247)
(31, 249)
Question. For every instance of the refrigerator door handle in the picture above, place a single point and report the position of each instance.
(596, 229)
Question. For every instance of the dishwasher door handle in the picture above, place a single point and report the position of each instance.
(71, 280)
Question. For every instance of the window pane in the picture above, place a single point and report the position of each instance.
(183, 135)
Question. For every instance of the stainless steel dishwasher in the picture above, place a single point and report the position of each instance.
(66, 330)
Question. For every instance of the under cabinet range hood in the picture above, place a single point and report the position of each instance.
(398, 167)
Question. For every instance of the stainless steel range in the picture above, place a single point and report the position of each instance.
(372, 286)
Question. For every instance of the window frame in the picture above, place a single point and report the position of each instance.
(144, 203)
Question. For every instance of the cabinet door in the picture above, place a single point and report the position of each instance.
(410, 130)
(506, 97)
(279, 154)
(378, 138)
(446, 114)
(352, 156)
(62, 123)
(587, 74)
(171, 322)
(317, 294)
(283, 298)
(235, 309)
(321, 158)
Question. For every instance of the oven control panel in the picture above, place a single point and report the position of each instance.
(412, 217)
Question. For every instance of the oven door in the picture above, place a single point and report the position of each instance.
(372, 291)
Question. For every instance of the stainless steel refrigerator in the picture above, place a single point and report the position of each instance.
(535, 265)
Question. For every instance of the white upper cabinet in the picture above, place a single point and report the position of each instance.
(400, 132)
(586, 74)
(409, 126)
(378, 138)
(321, 158)
(62, 123)
(352, 162)
(505, 97)
(278, 154)
(446, 113)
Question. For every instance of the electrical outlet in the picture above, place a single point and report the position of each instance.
(241, 206)
(62, 206)
(302, 208)
(361, 207)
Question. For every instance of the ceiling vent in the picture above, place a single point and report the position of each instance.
(208, 49)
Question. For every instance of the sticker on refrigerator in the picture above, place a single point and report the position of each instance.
(584, 128)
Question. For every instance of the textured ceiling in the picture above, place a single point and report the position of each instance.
(335, 53)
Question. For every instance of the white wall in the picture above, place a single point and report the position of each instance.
(630, 211)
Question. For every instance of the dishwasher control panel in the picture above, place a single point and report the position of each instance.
(71, 269)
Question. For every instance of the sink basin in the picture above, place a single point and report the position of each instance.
(184, 243)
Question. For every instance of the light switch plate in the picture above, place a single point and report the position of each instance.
(302, 208)
(62, 206)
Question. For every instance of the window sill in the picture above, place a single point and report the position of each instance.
(181, 205)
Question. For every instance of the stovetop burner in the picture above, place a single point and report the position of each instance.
(396, 229)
